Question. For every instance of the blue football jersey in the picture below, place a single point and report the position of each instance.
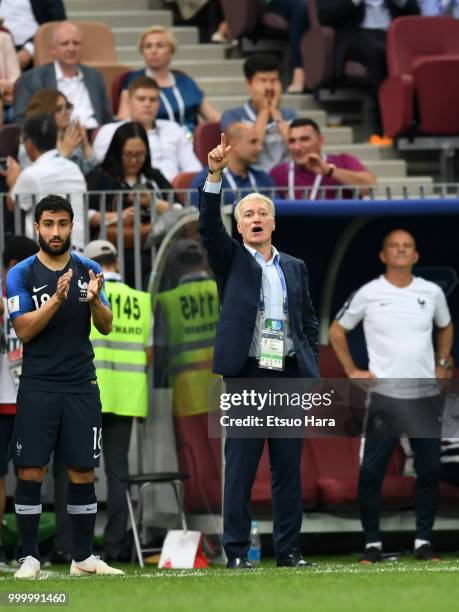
(60, 357)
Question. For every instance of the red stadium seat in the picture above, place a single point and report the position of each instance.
(206, 137)
(337, 463)
(330, 367)
(309, 483)
(421, 94)
(118, 84)
(200, 457)
(182, 181)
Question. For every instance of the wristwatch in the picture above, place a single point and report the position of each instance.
(214, 171)
(444, 363)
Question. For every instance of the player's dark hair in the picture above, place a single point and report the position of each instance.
(53, 203)
(260, 62)
(305, 121)
(41, 129)
(18, 248)
(105, 260)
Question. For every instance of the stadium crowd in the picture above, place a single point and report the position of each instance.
(120, 157)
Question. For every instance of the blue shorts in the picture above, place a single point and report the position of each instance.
(68, 424)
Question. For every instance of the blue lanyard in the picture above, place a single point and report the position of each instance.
(284, 289)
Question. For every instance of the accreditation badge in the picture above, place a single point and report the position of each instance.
(272, 344)
(15, 361)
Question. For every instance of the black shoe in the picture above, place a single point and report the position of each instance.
(3, 559)
(240, 563)
(295, 560)
(372, 554)
(425, 553)
(60, 557)
(122, 556)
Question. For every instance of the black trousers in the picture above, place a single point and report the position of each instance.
(116, 435)
(377, 454)
(449, 472)
(242, 456)
(368, 47)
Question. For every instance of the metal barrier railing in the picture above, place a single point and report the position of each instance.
(141, 254)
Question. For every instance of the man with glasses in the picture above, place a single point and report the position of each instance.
(170, 148)
(83, 86)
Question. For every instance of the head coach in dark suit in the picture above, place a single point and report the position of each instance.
(83, 85)
(257, 283)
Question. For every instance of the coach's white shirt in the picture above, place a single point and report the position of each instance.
(398, 324)
(170, 149)
(52, 174)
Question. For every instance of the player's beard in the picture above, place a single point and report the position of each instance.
(49, 250)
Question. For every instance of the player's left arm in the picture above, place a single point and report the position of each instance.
(101, 314)
(445, 336)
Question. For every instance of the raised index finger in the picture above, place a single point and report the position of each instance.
(223, 140)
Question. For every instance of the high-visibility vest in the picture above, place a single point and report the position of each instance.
(191, 312)
(119, 358)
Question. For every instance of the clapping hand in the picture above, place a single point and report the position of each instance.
(63, 285)
(71, 140)
(218, 158)
(95, 285)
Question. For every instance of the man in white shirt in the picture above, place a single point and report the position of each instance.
(398, 311)
(83, 86)
(22, 18)
(170, 149)
(49, 174)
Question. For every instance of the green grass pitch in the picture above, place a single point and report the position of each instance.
(338, 584)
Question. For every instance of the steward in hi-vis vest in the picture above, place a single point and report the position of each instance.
(185, 323)
(121, 361)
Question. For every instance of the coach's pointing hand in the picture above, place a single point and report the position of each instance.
(218, 158)
(63, 286)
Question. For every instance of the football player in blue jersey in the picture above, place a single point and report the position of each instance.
(52, 297)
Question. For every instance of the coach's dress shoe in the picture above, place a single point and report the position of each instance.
(295, 560)
(425, 553)
(239, 563)
(372, 554)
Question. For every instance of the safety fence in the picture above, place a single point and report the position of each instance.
(137, 221)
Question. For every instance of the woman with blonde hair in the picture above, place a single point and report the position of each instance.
(72, 139)
(181, 98)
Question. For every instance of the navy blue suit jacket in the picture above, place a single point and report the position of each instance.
(238, 278)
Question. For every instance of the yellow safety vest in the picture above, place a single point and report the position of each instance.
(120, 358)
(191, 312)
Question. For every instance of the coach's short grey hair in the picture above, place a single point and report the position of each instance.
(254, 196)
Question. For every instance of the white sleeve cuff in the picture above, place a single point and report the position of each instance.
(212, 187)
(30, 47)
